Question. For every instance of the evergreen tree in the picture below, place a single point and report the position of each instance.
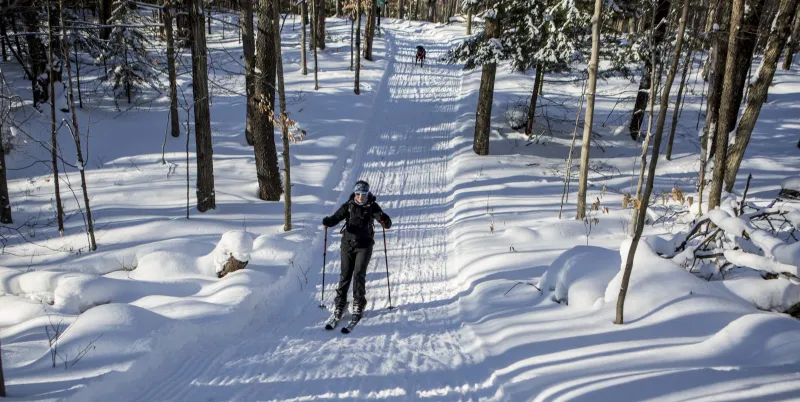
(126, 54)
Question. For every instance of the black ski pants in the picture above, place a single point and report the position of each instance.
(355, 259)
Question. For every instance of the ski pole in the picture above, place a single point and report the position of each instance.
(324, 254)
(386, 255)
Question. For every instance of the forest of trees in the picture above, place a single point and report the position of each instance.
(655, 42)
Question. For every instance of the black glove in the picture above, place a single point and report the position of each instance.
(386, 222)
(326, 221)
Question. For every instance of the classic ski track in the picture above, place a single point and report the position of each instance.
(405, 162)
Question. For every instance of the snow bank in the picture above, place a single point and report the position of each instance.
(777, 294)
(656, 282)
(791, 183)
(754, 339)
(579, 276)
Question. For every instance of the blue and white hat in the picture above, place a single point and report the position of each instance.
(361, 187)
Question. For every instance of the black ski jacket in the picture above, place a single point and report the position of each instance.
(359, 229)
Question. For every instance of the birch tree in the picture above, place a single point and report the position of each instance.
(589, 120)
(283, 121)
(167, 13)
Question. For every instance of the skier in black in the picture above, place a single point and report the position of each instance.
(359, 214)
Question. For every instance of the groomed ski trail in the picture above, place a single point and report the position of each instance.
(405, 353)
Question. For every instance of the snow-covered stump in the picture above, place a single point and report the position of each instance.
(232, 252)
(231, 265)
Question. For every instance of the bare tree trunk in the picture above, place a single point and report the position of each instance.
(651, 108)
(319, 24)
(78, 76)
(37, 57)
(266, 157)
(369, 30)
(173, 80)
(248, 50)
(3, 39)
(339, 8)
(469, 22)
(206, 198)
(5, 204)
(2, 378)
(726, 103)
(402, 9)
(642, 97)
(314, 38)
(718, 60)
(431, 11)
(790, 47)
(651, 172)
(757, 95)
(76, 133)
(589, 120)
(534, 99)
(352, 30)
(357, 84)
(746, 44)
(483, 116)
(303, 38)
(686, 64)
(53, 131)
(283, 121)
(104, 15)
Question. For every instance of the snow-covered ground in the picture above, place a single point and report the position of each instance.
(145, 318)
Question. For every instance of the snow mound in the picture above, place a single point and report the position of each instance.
(763, 339)
(777, 294)
(791, 183)
(580, 275)
(235, 243)
(521, 237)
(657, 283)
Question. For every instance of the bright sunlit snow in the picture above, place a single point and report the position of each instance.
(494, 297)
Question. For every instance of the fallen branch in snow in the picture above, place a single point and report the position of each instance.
(521, 283)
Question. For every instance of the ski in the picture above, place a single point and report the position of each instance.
(352, 324)
(332, 322)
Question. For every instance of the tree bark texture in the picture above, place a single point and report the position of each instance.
(103, 16)
(357, 83)
(583, 179)
(173, 80)
(303, 38)
(206, 198)
(791, 47)
(746, 44)
(266, 157)
(718, 59)
(757, 94)
(726, 103)
(283, 121)
(483, 116)
(534, 100)
(248, 50)
(5, 201)
(369, 30)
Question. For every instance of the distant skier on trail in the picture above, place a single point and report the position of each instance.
(359, 214)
